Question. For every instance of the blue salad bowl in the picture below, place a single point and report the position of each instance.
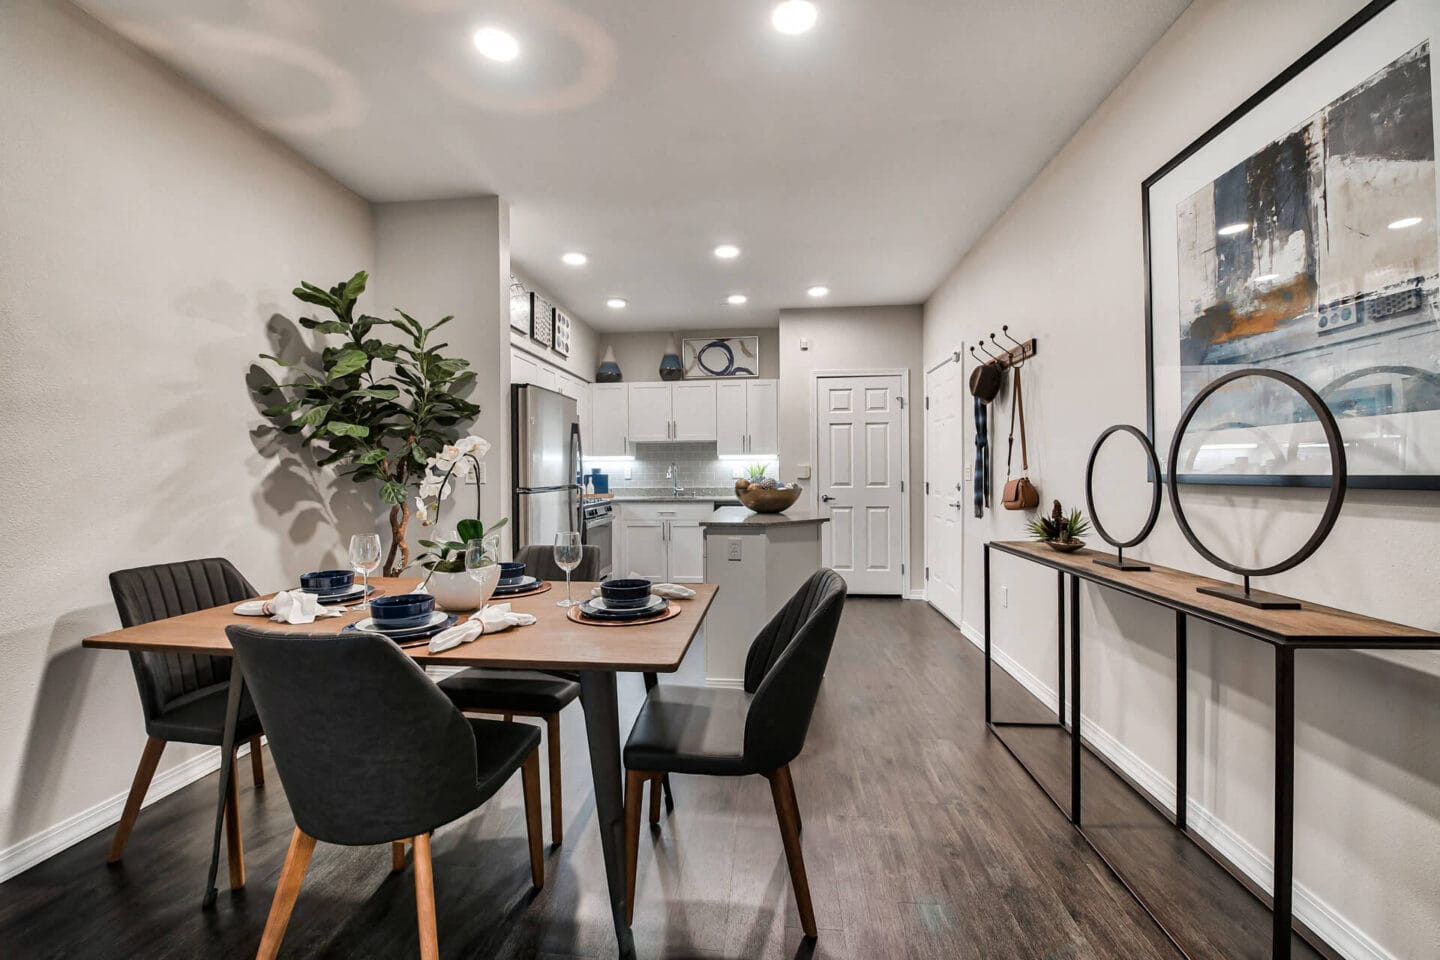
(327, 583)
(511, 573)
(402, 611)
(623, 594)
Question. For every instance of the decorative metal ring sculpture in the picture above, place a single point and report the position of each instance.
(1120, 563)
(1338, 477)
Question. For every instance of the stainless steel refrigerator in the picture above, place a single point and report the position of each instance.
(546, 439)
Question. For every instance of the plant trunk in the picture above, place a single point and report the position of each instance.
(399, 556)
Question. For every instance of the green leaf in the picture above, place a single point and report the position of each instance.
(274, 359)
(378, 393)
(282, 409)
(417, 453)
(314, 416)
(356, 285)
(372, 456)
(342, 429)
(470, 529)
(392, 492)
(347, 361)
(498, 524)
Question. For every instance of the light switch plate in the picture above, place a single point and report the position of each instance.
(969, 472)
(802, 471)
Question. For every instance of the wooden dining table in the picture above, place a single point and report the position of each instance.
(593, 654)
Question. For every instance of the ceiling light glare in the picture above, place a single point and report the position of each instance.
(575, 259)
(794, 16)
(1230, 229)
(496, 44)
(616, 303)
(727, 251)
(737, 299)
(1404, 222)
(818, 291)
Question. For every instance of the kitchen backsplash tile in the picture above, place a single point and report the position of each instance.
(698, 467)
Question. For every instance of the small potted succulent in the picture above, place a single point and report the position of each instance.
(1060, 531)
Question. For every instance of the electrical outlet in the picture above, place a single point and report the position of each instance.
(1004, 596)
(627, 472)
(478, 476)
(732, 549)
(969, 472)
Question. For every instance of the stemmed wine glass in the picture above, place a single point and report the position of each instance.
(567, 556)
(365, 558)
(478, 556)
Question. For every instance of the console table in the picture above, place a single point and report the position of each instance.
(1310, 627)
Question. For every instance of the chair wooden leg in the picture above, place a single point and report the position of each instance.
(425, 899)
(149, 760)
(257, 762)
(782, 790)
(530, 779)
(302, 845)
(657, 785)
(557, 816)
(234, 845)
(634, 787)
(509, 717)
(794, 802)
(397, 856)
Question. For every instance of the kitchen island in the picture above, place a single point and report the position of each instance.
(758, 560)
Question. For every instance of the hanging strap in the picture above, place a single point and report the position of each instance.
(1017, 404)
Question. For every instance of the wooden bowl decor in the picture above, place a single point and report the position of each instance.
(767, 499)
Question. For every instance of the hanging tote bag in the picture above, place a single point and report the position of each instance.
(1020, 493)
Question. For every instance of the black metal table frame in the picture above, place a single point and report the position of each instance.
(598, 698)
(1282, 898)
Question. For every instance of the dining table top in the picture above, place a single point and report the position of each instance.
(553, 642)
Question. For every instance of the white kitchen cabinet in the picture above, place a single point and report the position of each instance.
(692, 411)
(568, 386)
(650, 414)
(609, 414)
(747, 418)
(686, 542)
(523, 367)
(546, 376)
(642, 550)
(661, 540)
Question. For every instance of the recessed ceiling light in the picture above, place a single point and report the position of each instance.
(575, 259)
(736, 299)
(1267, 277)
(1404, 222)
(1230, 229)
(727, 251)
(616, 303)
(819, 291)
(496, 44)
(794, 16)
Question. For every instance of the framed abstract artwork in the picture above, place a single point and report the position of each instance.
(519, 306)
(561, 338)
(542, 320)
(708, 357)
(1299, 234)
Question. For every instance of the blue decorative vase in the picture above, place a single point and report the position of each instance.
(670, 366)
(609, 370)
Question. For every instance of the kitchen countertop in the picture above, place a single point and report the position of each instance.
(683, 498)
(742, 517)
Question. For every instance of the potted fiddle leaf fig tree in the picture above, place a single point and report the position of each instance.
(377, 409)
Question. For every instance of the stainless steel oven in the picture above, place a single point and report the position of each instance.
(599, 517)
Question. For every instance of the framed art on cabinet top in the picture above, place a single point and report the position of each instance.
(519, 306)
(542, 320)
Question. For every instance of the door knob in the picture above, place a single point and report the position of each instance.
(826, 498)
(956, 504)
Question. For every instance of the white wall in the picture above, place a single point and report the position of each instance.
(148, 242)
(639, 353)
(1065, 264)
(584, 341)
(852, 338)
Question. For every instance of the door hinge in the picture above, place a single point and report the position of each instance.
(927, 403)
(927, 486)
(902, 402)
(902, 569)
(927, 573)
(902, 486)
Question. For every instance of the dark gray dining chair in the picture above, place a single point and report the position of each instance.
(183, 696)
(370, 752)
(528, 693)
(720, 732)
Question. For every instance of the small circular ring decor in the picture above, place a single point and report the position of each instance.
(1155, 494)
(1338, 474)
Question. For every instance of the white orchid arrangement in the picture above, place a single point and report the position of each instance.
(461, 458)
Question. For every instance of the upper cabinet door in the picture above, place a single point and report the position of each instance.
(730, 428)
(762, 412)
(650, 413)
(692, 408)
(609, 411)
(569, 386)
(523, 368)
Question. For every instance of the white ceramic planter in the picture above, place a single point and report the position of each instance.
(458, 592)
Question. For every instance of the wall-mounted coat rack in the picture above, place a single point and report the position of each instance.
(1003, 355)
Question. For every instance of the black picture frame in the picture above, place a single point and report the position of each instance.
(1373, 481)
(542, 320)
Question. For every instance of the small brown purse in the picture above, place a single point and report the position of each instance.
(1020, 493)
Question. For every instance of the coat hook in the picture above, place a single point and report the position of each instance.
(1010, 359)
(987, 353)
(1005, 329)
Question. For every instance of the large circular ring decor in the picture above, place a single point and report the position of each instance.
(1119, 562)
(1338, 476)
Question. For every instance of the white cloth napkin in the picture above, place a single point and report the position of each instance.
(671, 591)
(493, 619)
(287, 606)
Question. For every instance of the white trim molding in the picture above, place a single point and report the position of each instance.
(1349, 940)
(726, 683)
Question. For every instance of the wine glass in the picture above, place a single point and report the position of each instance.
(365, 558)
(567, 556)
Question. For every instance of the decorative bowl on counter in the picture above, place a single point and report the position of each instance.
(776, 499)
(1065, 546)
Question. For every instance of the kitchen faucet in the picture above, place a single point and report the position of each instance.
(673, 475)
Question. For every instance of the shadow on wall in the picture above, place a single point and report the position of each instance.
(296, 498)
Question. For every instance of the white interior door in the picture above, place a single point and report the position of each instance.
(944, 487)
(860, 468)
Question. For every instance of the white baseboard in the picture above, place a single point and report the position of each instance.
(1348, 940)
(726, 683)
(917, 595)
(19, 857)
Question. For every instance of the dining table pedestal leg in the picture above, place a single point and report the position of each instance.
(227, 773)
(602, 733)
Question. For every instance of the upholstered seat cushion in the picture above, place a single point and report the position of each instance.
(500, 747)
(697, 730)
(509, 691)
(199, 717)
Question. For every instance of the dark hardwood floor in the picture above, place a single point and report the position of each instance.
(923, 838)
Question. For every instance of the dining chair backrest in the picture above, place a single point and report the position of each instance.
(784, 668)
(145, 594)
(539, 560)
(368, 748)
